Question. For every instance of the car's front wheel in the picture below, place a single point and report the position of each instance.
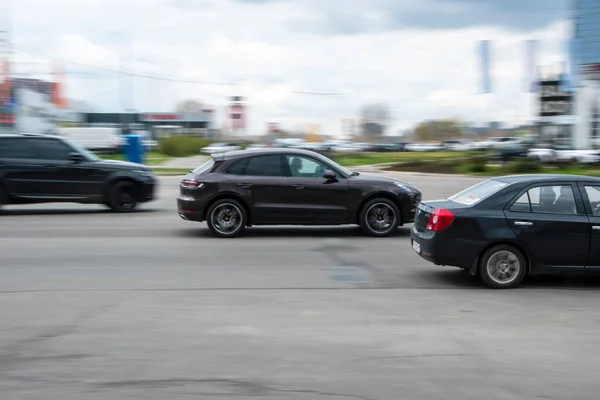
(122, 197)
(379, 217)
(503, 267)
(226, 218)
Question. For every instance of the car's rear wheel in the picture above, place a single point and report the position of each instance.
(503, 267)
(226, 218)
(122, 197)
(379, 217)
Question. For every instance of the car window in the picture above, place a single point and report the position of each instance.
(593, 193)
(522, 204)
(557, 199)
(15, 148)
(265, 166)
(478, 192)
(52, 149)
(305, 167)
(238, 167)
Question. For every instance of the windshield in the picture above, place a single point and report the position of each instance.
(478, 192)
(85, 152)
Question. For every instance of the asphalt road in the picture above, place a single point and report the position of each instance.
(95, 305)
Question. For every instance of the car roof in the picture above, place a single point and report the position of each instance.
(546, 178)
(230, 155)
(29, 135)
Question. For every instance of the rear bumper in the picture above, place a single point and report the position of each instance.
(439, 249)
(189, 209)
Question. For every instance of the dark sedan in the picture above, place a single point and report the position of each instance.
(291, 187)
(506, 228)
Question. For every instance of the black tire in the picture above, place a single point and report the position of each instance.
(388, 227)
(502, 258)
(121, 196)
(226, 208)
(3, 196)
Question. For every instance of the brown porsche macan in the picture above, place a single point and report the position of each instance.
(240, 189)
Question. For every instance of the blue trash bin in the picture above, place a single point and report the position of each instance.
(134, 148)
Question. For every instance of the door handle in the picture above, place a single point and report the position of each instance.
(596, 227)
(299, 186)
(245, 185)
(523, 223)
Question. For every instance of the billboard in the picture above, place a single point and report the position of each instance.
(6, 100)
(236, 113)
(36, 112)
(58, 94)
(531, 65)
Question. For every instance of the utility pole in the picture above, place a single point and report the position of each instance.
(127, 104)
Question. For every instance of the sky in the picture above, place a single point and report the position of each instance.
(296, 62)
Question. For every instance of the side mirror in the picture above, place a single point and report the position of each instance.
(75, 157)
(329, 175)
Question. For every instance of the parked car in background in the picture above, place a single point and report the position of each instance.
(510, 151)
(548, 155)
(314, 146)
(509, 227)
(457, 145)
(347, 147)
(240, 189)
(46, 169)
(257, 146)
(221, 148)
(390, 147)
(423, 147)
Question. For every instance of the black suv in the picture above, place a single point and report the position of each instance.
(292, 187)
(45, 169)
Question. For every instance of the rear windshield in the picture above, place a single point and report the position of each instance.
(205, 167)
(478, 192)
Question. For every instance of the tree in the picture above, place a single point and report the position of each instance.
(190, 105)
(438, 130)
(374, 119)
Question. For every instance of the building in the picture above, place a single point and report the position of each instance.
(585, 70)
(157, 124)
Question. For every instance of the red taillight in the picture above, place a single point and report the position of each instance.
(188, 183)
(440, 220)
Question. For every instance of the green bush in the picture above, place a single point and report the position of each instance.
(182, 145)
(523, 166)
(477, 164)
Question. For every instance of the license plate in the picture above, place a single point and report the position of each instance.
(416, 247)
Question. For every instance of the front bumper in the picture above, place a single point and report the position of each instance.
(147, 192)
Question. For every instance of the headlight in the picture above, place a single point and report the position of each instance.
(147, 174)
(403, 186)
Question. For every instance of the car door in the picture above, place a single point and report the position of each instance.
(550, 222)
(591, 196)
(19, 169)
(316, 200)
(262, 180)
(60, 176)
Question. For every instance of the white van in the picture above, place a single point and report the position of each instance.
(98, 140)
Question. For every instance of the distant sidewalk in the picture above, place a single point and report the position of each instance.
(183, 162)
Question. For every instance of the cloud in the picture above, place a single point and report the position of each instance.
(347, 17)
(417, 56)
